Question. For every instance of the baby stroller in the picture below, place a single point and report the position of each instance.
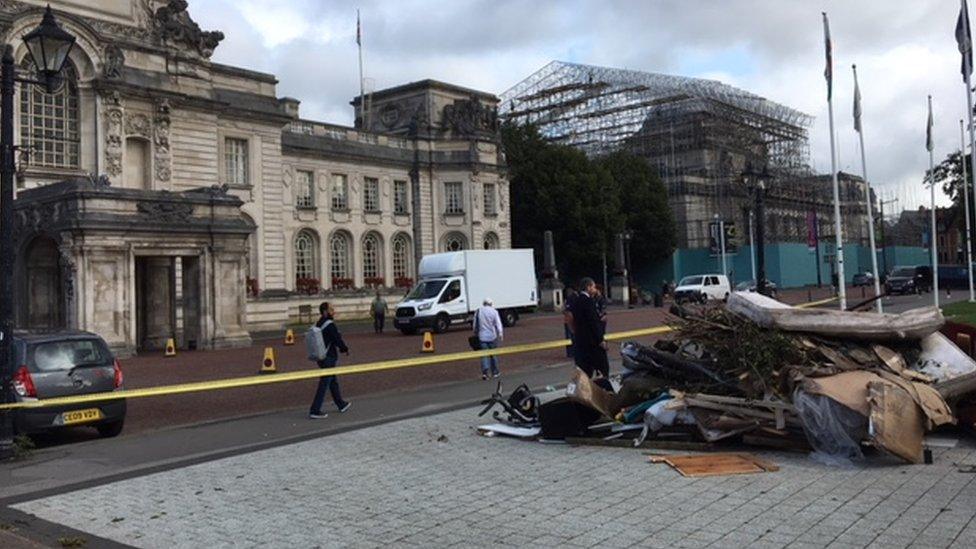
(521, 407)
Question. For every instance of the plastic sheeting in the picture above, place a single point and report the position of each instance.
(833, 430)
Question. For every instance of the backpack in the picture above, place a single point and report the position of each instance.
(315, 345)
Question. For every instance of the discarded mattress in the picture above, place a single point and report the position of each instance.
(771, 314)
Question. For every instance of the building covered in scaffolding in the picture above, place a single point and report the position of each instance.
(701, 136)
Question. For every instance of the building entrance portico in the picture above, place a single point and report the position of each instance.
(134, 266)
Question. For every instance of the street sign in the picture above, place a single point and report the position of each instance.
(731, 238)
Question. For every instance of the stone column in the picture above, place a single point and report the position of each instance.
(550, 288)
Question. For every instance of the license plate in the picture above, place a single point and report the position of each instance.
(81, 416)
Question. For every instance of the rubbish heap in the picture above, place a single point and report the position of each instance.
(757, 371)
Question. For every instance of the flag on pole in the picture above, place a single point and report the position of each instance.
(857, 103)
(928, 129)
(359, 31)
(829, 70)
(965, 40)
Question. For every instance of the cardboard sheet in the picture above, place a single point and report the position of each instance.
(896, 424)
(582, 389)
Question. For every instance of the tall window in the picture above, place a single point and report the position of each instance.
(372, 253)
(400, 197)
(339, 255)
(49, 121)
(401, 256)
(453, 197)
(235, 161)
(490, 205)
(340, 192)
(304, 189)
(454, 242)
(371, 194)
(491, 241)
(305, 261)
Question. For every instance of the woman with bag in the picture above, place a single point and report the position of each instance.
(488, 331)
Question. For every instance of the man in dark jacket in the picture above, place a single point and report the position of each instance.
(590, 349)
(334, 344)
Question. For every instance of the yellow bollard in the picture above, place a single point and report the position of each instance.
(170, 347)
(289, 337)
(428, 345)
(268, 365)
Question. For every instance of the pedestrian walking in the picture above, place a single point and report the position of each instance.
(568, 300)
(590, 348)
(378, 310)
(327, 356)
(488, 328)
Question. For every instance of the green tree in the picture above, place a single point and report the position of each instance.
(948, 173)
(583, 202)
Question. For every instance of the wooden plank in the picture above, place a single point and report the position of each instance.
(703, 465)
(647, 444)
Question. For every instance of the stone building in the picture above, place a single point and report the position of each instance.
(166, 195)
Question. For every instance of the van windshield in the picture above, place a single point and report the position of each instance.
(427, 289)
(65, 355)
(691, 281)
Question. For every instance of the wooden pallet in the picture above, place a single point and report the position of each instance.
(710, 465)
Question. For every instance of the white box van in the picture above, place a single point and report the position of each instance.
(453, 285)
(701, 288)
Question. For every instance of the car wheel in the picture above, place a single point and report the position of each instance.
(726, 299)
(408, 331)
(442, 323)
(110, 429)
(509, 318)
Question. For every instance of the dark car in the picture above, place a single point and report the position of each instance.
(953, 276)
(862, 279)
(66, 363)
(909, 280)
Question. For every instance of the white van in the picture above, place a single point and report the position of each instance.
(453, 285)
(701, 288)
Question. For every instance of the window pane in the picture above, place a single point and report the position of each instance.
(304, 256)
(371, 257)
(304, 189)
(340, 199)
(371, 194)
(236, 161)
(401, 256)
(453, 197)
(489, 199)
(339, 255)
(49, 122)
(400, 197)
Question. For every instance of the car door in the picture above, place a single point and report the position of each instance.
(452, 300)
(711, 287)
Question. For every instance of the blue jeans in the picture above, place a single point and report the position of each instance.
(327, 383)
(489, 362)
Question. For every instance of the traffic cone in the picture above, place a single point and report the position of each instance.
(268, 365)
(170, 347)
(428, 346)
(289, 337)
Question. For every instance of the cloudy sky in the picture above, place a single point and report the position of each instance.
(904, 50)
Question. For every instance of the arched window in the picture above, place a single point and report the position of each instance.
(454, 242)
(491, 241)
(339, 255)
(372, 256)
(49, 121)
(401, 256)
(305, 256)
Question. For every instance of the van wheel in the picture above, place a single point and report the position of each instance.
(109, 430)
(509, 318)
(726, 297)
(408, 331)
(442, 323)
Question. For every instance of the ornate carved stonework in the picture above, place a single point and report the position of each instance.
(165, 212)
(114, 61)
(113, 134)
(138, 124)
(470, 117)
(162, 157)
(173, 25)
(98, 181)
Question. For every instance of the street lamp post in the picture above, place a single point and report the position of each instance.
(756, 181)
(627, 236)
(49, 46)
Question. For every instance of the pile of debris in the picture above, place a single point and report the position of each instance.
(757, 371)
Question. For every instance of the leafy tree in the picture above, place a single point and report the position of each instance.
(948, 173)
(583, 202)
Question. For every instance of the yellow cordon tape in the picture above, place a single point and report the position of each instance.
(285, 377)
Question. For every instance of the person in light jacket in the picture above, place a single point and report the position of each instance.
(488, 328)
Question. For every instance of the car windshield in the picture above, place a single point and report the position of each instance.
(904, 271)
(64, 355)
(691, 281)
(427, 289)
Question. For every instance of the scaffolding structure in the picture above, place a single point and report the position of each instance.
(699, 134)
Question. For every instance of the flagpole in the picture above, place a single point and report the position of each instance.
(867, 190)
(839, 238)
(362, 90)
(965, 195)
(934, 240)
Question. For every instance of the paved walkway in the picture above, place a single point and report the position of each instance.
(432, 481)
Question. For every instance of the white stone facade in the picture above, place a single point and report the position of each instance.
(143, 105)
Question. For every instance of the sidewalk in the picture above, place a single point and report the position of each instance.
(432, 481)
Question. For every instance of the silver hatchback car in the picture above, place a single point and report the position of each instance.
(66, 363)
